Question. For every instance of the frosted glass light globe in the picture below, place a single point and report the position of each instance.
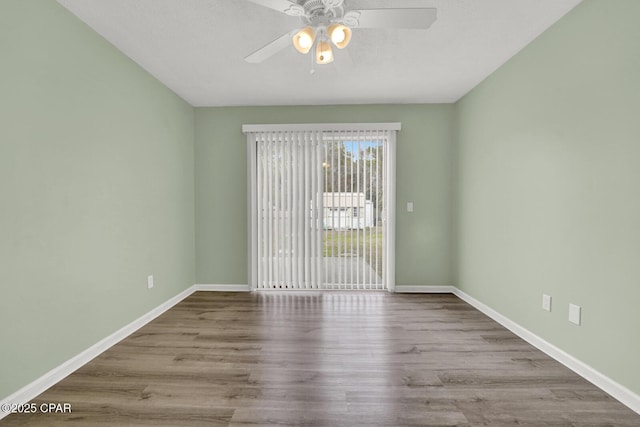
(305, 41)
(338, 36)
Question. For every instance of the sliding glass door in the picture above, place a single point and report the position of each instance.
(353, 199)
(289, 209)
(321, 207)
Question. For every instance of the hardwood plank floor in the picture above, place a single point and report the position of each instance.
(332, 359)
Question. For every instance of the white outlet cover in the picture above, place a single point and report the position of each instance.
(149, 282)
(409, 206)
(574, 313)
(546, 302)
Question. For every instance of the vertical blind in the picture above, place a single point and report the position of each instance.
(318, 206)
(289, 230)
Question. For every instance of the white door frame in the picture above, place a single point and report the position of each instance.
(389, 219)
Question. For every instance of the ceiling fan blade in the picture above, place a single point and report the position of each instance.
(393, 18)
(285, 6)
(270, 49)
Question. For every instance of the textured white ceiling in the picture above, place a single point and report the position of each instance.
(196, 48)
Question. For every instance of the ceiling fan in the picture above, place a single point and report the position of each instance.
(328, 22)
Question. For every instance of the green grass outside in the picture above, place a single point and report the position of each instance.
(348, 243)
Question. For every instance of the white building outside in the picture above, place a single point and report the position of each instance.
(347, 211)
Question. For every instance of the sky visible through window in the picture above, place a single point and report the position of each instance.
(355, 147)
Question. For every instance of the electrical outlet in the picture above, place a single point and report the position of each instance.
(409, 206)
(575, 314)
(149, 282)
(546, 302)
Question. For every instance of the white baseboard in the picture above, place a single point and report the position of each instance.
(222, 288)
(409, 289)
(33, 389)
(616, 390)
(30, 391)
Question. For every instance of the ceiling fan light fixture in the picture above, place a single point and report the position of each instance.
(340, 35)
(303, 39)
(324, 53)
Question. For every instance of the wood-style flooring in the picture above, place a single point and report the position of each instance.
(325, 359)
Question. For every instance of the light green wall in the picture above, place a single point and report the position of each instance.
(96, 190)
(549, 187)
(424, 165)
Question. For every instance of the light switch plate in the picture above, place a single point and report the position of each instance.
(574, 313)
(149, 282)
(409, 206)
(546, 302)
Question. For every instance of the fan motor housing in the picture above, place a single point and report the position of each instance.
(321, 11)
